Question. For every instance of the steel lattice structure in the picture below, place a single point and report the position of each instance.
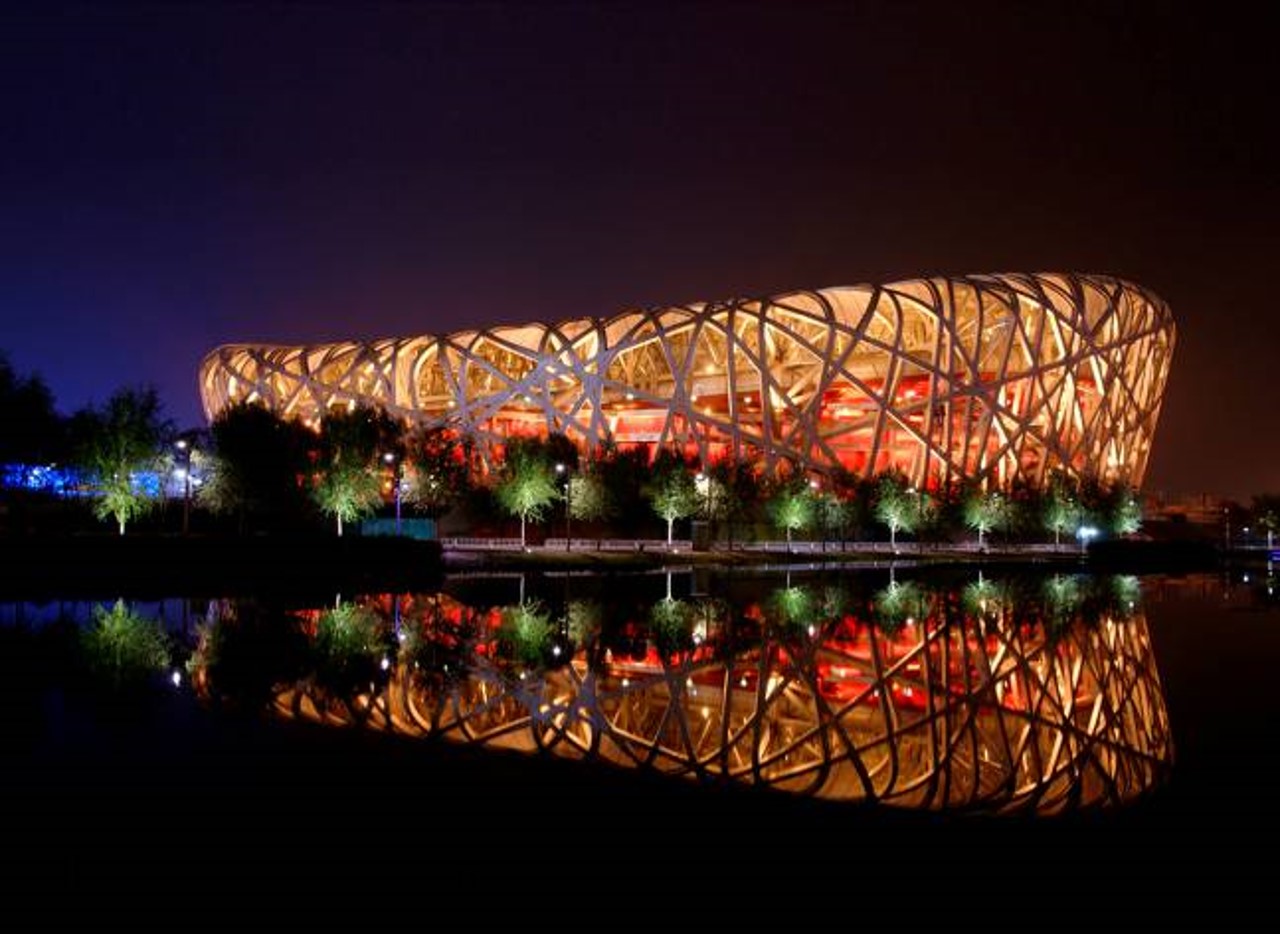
(972, 716)
(988, 377)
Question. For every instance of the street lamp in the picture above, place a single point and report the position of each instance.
(1085, 533)
(706, 488)
(184, 453)
(563, 471)
(815, 491)
(389, 458)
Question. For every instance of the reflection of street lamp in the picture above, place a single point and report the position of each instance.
(563, 471)
(390, 459)
(184, 452)
(1085, 533)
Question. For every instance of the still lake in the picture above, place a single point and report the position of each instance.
(916, 731)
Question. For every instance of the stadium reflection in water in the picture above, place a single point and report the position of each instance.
(982, 697)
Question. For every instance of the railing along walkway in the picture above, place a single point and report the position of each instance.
(805, 547)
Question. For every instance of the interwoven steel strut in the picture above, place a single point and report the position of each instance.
(989, 377)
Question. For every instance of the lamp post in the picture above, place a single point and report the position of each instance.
(1085, 532)
(184, 452)
(706, 488)
(563, 471)
(815, 490)
(390, 459)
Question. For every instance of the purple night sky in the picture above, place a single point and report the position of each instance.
(180, 177)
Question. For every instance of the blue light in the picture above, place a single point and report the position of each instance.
(40, 478)
(67, 482)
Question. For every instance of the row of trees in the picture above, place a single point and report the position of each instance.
(733, 494)
(266, 473)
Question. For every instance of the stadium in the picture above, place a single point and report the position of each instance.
(984, 377)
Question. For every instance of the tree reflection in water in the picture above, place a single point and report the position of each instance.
(989, 696)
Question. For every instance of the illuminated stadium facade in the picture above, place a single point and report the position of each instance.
(986, 377)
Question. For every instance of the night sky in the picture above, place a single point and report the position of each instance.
(178, 177)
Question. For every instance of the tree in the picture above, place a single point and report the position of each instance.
(360, 434)
(589, 499)
(792, 507)
(350, 642)
(899, 505)
(352, 443)
(527, 482)
(123, 646)
(526, 634)
(347, 492)
(833, 515)
(117, 442)
(673, 492)
(1266, 515)
(439, 475)
(32, 429)
(258, 465)
(1124, 511)
(1061, 511)
(120, 498)
(985, 512)
(625, 473)
(733, 492)
(900, 603)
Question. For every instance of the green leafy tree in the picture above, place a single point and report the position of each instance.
(526, 484)
(526, 634)
(352, 444)
(671, 625)
(986, 511)
(122, 499)
(588, 497)
(124, 647)
(1062, 596)
(1060, 509)
(350, 643)
(1124, 510)
(673, 492)
(795, 609)
(117, 442)
(791, 506)
(347, 492)
(899, 505)
(985, 599)
(900, 603)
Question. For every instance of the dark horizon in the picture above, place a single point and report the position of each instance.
(180, 178)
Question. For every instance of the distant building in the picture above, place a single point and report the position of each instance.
(992, 377)
(1193, 508)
